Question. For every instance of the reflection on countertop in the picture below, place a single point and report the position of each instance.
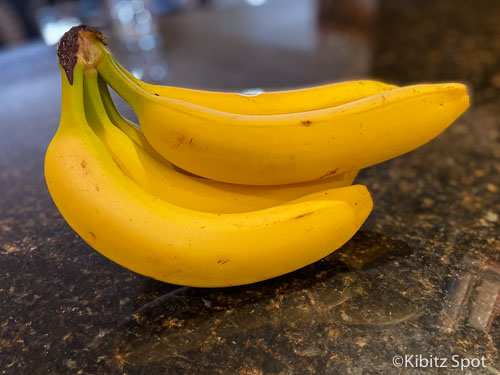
(421, 277)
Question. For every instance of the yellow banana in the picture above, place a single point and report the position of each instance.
(296, 147)
(266, 103)
(159, 177)
(150, 236)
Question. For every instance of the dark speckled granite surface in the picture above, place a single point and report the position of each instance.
(422, 277)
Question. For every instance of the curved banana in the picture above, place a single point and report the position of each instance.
(152, 237)
(160, 178)
(266, 103)
(290, 148)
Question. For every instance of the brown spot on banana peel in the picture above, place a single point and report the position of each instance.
(303, 215)
(179, 141)
(306, 122)
(330, 173)
(221, 262)
(69, 48)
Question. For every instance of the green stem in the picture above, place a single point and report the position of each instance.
(72, 97)
(126, 72)
(133, 94)
(94, 107)
(109, 105)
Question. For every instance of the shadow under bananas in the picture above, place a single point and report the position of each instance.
(368, 283)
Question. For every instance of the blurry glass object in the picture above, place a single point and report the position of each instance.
(256, 3)
(133, 23)
(55, 20)
(52, 28)
(268, 23)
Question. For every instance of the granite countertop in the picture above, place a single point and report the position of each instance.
(422, 277)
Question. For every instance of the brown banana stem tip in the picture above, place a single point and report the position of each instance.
(68, 47)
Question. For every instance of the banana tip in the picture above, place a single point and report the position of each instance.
(460, 91)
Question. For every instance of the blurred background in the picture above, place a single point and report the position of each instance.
(253, 44)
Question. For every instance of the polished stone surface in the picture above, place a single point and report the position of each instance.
(422, 277)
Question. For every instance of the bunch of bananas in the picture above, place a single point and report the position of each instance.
(265, 185)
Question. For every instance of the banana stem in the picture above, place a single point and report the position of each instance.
(125, 125)
(110, 107)
(108, 102)
(93, 103)
(86, 45)
(126, 72)
(72, 96)
(132, 93)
